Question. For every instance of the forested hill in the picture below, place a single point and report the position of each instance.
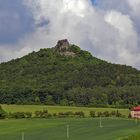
(67, 75)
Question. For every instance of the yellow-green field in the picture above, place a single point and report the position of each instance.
(56, 109)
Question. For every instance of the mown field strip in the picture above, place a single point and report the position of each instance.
(56, 109)
(79, 129)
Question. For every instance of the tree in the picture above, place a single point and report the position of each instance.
(64, 102)
(49, 100)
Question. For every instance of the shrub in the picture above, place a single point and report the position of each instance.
(113, 113)
(17, 115)
(28, 114)
(129, 116)
(66, 114)
(79, 114)
(106, 114)
(3, 114)
(93, 114)
(42, 114)
(99, 114)
(37, 114)
(61, 115)
(118, 114)
(69, 113)
(49, 115)
(54, 114)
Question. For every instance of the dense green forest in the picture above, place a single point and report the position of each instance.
(67, 75)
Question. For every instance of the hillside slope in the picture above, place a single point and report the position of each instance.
(67, 75)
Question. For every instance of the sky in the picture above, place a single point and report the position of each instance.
(109, 29)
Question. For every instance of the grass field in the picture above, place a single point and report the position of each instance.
(133, 137)
(56, 109)
(80, 129)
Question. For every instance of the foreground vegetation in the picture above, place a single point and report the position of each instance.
(47, 77)
(133, 137)
(55, 129)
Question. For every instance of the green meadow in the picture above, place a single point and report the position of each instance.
(56, 109)
(79, 129)
(56, 128)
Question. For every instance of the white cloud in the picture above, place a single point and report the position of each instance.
(121, 22)
(135, 5)
(128, 42)
(109, 34)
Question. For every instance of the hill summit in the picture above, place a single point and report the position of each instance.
(67, 75)
(64, 48)
(62, 45)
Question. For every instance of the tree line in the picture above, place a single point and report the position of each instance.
(122, 97)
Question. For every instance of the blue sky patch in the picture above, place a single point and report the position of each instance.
(15, 21)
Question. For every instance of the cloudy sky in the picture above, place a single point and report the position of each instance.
(109, 29)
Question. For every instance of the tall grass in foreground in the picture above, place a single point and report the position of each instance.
(133, 137)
